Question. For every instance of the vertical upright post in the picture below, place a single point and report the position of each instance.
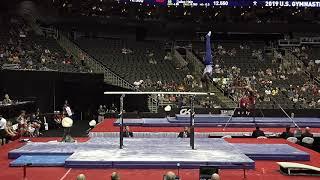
(54, 96)
(254, 113)
(244, 174)
(25, 172)
(121, 120)
(192, 122)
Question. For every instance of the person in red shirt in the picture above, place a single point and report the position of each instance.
(247, 103)
(243, 104)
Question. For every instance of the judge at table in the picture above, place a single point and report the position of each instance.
(7, 100)
(127, 132)
(185, 133)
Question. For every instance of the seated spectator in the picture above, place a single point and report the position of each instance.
(257, 133)
(115, 176)
(11, 133)
(34, 125)
(185, 133)
(126, 51)
(287, 133)
(57, 118)
(81, 177)
(170, 176)
(113, 108)
(7, 99)
(306, 133)
(127, 132)
(23, 123)
(215, 176)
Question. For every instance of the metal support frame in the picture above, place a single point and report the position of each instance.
(121, 120)
(192, 113)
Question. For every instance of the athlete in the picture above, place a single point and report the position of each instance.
(207, 72)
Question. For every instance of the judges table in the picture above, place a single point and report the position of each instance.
(14, 109)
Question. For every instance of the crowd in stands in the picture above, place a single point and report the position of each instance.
(275, 81)
(310, 57)
(238, 67)
(133, 60)
(22, 49)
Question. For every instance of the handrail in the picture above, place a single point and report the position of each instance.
(297, 59)
(192, 58)
(179, 59)
(109, 76)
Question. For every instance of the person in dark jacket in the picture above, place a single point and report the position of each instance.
(257, 133)
(185, 133)
(127, 132)
(306, 133)
(287, 133)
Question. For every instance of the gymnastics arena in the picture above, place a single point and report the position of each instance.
(159, 90)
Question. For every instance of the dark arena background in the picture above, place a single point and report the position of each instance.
(159, 90)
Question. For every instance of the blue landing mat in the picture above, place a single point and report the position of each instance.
(206, 120)
(272, 152)
(58, 148)
(40, 160)
(161, 153)
(144, 153)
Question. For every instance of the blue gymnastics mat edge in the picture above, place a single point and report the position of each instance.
(39, 161)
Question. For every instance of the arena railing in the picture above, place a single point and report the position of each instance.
(179, 60)
(193, 59)
(97, 67)
(294, 57)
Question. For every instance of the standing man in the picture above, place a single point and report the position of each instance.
(101, 113)
(66, 109)
(207, 72)
(3, 132)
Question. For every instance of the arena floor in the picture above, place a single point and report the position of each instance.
(265, 170)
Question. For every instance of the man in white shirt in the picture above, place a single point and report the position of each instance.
(69, 112)
(3, 123)
(3, 132)
(66, 109)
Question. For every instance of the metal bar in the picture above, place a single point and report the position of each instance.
(174, 93)
(121, 118)
(192, 113)
(229, 120)
(295, 124)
